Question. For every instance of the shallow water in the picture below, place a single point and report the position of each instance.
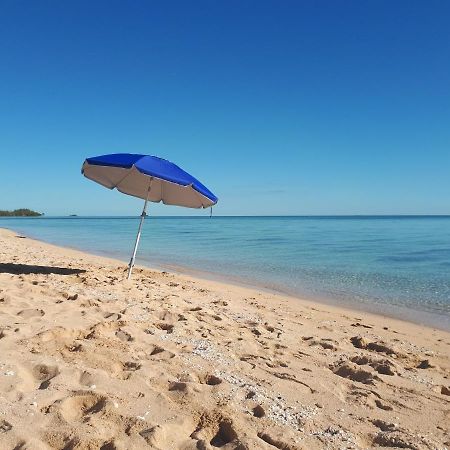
(395, 265)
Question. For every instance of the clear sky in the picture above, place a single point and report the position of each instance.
(282, 107)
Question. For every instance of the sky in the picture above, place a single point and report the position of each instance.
(278, 107)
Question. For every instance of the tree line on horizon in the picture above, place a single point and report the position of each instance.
(21, 212)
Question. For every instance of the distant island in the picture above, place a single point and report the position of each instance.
(22, 212)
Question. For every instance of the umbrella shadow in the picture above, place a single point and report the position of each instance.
(26, 269)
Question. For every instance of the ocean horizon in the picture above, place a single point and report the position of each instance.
(397, 265)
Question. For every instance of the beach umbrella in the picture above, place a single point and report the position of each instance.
(150, 178)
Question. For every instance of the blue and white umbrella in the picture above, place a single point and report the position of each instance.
(150, 178)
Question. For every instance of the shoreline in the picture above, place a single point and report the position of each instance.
(415, 316)
(383, 310)
(166, 361)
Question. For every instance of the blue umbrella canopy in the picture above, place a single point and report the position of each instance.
(150, 178)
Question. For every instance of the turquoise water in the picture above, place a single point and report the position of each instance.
(395, 265)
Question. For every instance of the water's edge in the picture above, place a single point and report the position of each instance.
(406, 314)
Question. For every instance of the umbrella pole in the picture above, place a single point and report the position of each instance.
(138, 237)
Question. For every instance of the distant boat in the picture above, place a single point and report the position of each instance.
(73, 215)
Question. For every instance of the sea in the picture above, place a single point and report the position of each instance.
(398, 266)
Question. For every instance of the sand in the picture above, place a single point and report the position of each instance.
(164, 361)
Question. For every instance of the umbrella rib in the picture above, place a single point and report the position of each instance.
(128, 173)
(198, 195)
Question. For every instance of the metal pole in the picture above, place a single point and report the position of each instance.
(138, 236)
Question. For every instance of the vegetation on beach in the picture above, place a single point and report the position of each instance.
(22, 212)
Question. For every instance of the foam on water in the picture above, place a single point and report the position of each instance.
(395, 265)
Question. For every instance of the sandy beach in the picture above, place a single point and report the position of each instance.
(91, 361)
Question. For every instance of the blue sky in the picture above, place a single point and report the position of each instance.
(285, 107)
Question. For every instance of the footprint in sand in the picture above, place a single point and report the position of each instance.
(124, 336)
(59, 334)
(425, 364)
(379, 347)
(5, 426)
(131, 366)
(382, 366)
(384, 406)
(43, 374)
(110, 445)
(384, 426)
(354, 372)
(82, 405)
(180, 386)
(74, 347)
(391, 436)
(112, 316)
(40, 374)
(326, 344)
(155, 436)
(165, 326)
(225, 435)
(275, 441)
(217, 431)
(29, 313)
(159, 353)
(445, 390)
(210, 380)
(258, 411)
(87, 379)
